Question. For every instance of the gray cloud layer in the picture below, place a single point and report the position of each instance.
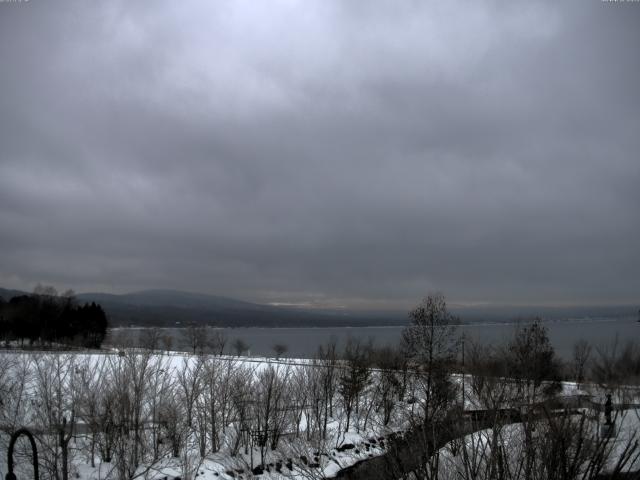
(356, 153)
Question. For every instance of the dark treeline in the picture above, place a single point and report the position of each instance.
(47, 318)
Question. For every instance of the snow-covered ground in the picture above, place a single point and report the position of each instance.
(474, 451)
(295, 455)
(23, 376)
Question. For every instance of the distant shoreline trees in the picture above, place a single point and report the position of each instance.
(47, 318)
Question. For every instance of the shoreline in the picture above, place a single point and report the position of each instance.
(324, 327)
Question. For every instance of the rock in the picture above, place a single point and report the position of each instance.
(258, 470)
(345, 446)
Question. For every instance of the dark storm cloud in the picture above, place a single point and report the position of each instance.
(331, 152)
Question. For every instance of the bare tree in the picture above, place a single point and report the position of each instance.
(430, 342)
(311, 459)
(171, 417)
(190, 386)
(300, 395)
(217, 341)
(162, 382)
(15, 378)
(218, 377)
(325, 385)
(354, 378)
(128, 407)
(616, 368)
(240, 346)
(532, 365)
(279, 349)
(190, 463)
(45, 290)
(196, 337)
(124, 339)
(492, 392)
(242, 390)
(150, 339)
(532, 362)
(167, 342)
(91, 375)
(490, 386)
(316, 382)
(581, 357)
(56, 409)
(270, 407)
(391, 368)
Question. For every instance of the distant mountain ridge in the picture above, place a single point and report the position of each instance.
(173, 298)
(171, 308)
(178, 308)
(7, 293)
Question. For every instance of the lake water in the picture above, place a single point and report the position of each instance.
(304, 342)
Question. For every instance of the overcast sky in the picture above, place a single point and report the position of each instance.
(338, 153)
